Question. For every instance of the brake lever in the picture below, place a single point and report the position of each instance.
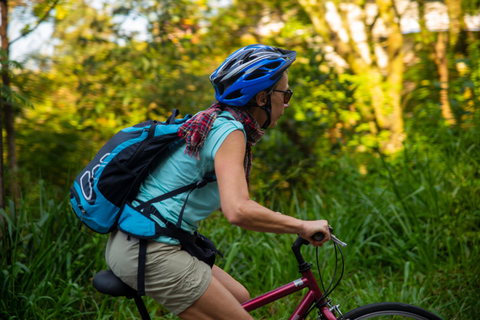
(337, 241)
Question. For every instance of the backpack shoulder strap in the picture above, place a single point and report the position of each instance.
(226, 117)
(171, 119)
(195, 185)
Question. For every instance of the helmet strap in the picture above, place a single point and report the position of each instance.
(268, 110)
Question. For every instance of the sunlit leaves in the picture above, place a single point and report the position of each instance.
(7, 93)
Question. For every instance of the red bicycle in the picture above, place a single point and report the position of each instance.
(106, 282)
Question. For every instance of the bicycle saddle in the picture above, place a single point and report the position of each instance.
(107, 282)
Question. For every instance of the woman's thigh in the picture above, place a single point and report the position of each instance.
(216, 303)
(232, 285)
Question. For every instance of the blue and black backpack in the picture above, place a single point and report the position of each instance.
(103, 192)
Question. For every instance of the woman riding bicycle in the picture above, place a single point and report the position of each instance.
(251, 87)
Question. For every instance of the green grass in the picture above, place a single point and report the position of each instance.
(411, 224)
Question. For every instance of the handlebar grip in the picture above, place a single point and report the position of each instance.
(318, 236)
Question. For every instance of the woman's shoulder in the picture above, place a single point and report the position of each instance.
(223, 126)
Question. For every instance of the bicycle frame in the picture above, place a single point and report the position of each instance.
(307, 281)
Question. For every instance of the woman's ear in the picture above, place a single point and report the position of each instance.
(261, 98)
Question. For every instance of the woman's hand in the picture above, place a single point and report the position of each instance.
(312, 227)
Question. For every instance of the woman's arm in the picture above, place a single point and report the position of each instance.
(237, 206)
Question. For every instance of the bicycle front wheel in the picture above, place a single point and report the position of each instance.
(389, 311)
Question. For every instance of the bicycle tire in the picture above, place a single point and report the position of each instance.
(396, 311)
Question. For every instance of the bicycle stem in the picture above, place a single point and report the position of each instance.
(302, 265)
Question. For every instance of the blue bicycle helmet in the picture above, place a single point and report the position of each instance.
(248, 71)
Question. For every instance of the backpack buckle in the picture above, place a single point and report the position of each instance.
(202, 183)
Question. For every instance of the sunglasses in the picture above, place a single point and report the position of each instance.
(286, 95)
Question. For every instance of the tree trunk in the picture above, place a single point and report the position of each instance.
(375, 80)
(8, 111)
(455, 15)
(3, 35)
(11, 147)
(442, 68)
(2, 176)
(394, 80)
(439, 48)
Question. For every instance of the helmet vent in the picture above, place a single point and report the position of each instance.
(229, 64)
(273, 65)
(234, 95)
(254, 76)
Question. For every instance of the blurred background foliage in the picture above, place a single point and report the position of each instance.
(102, 77)
(385, 124)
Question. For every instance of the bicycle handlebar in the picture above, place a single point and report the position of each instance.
(319, 237)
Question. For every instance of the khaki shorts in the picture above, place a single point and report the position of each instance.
(173, 277)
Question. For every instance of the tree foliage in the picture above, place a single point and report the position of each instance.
(103, 76)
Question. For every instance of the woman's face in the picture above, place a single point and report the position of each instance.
(277, 100)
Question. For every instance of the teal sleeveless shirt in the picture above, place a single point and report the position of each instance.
(180, 169)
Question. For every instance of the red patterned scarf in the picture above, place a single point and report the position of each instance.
(196, 130)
